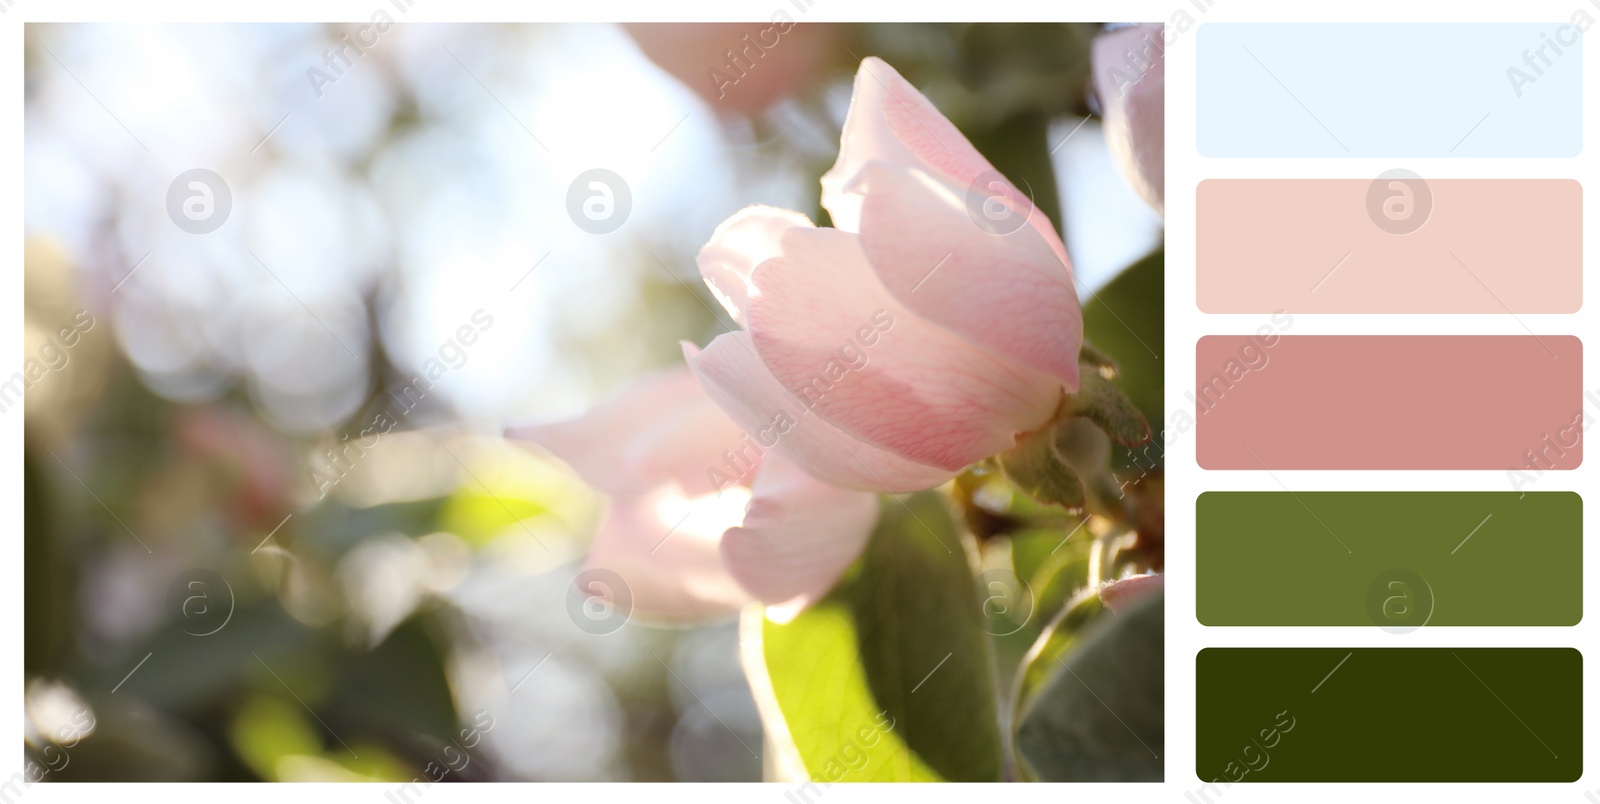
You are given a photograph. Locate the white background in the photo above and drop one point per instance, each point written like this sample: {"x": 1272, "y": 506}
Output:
{"x": 1185, "y": 324}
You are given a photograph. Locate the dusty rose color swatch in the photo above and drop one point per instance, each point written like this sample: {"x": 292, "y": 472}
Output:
{"x": 1389, "y": 402}
{"x": 1331, "y": 246}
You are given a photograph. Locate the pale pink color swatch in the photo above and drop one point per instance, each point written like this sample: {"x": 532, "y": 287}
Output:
{"x": 1314, "y": 246}
{"x": 1389, "y": 402}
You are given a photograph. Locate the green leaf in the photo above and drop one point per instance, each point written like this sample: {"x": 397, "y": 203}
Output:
{"x": 1102, "y": 402}
{"x": 1034, "y": 467}
{"x": 890, "y": 677}
{"x": 1124, "y": 319}
{"x": 1101, "y": 717}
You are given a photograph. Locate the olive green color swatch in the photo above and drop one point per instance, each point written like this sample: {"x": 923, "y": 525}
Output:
{"x": 1387, "y": 715}
{"x": 1399, "y": 560}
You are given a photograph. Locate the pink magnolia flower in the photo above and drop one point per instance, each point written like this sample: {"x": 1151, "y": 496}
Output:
{"x": 690, "y": 544}
{"x": 1130, "y": 75}
{"x": 912, "y": 340}
{"x": 887, "y": 354}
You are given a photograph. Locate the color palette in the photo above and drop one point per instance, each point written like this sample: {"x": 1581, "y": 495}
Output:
{"x": 1389, "y": 402}
{"x": 1392, "y": 90}
{"x": 1492, "y": 424}
{"x": 1390, "y": 245}
{"x": 1400, "y": 560}
{"x": 1388, "y": 715}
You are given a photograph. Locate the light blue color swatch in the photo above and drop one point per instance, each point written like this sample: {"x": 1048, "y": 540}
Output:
{"x": 1390, "y": 90}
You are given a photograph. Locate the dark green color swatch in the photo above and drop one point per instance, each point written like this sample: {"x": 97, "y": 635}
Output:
{"x": 1399, "y": 560}
{"x": 1387, "y": 715}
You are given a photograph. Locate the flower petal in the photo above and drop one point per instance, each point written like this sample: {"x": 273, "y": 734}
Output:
{"x": 1120, "y": 595}
{"x": 664, "y": 547}
{"x": 734, "y": 376}
{"x": 739, "y": 244}
{"x": 889, "y": 120}
{"x": 799, "y": 535}
{"x": 1130, "y": 76}
{"x": 832, "y": 335}
{"x": 662, "y": 429}
{"x": 1006, "y": 292}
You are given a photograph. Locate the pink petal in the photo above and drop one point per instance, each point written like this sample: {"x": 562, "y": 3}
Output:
{"x": 889, "y": 120}
{"x": 1119, "y": 596}
{"x": 832, "y": 335}
{"x": 1006, "y": 292}
{"x": 738, "y": 245}
{"x": 699, "y": 55}
{"x": 1130, "y": 77}
{"x": 662, "y": 429}
{"x": 734, "y": 376}
{"x": 799, "y": 535}
{"x": 669, "y": 562}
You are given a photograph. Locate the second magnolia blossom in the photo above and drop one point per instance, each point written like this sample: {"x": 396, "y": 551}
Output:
{"x": 1130, "y": 76}
{"x": 687, "y": 548}
{"x": 976, "y": 331}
